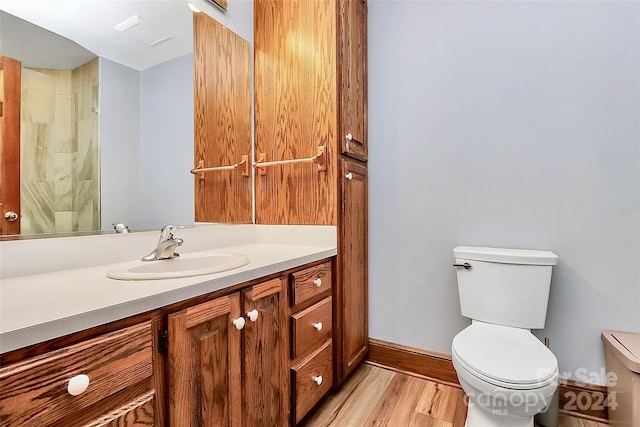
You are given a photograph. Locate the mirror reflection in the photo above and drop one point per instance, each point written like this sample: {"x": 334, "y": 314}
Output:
{"x": 135, "y": 168}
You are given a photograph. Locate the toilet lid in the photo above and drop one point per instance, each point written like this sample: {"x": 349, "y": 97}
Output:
{"x": 505, "y": 354}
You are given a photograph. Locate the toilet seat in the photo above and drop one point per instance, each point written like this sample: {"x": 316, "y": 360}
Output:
{"x": 504, "y": 356}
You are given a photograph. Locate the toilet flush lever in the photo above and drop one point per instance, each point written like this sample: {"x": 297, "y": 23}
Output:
{"x": 466, "y": 265}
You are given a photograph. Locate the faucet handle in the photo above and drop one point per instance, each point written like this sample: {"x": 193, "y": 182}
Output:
{"x": 165, "y": 233}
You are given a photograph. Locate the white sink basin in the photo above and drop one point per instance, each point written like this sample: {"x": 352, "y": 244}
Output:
{"x": 184, "y": 266}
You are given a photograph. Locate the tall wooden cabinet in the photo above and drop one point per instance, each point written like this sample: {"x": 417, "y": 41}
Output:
{"x": 311, "y": 91}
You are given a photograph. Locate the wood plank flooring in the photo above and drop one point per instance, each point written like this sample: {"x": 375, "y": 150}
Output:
{"x": 374, "y": 396}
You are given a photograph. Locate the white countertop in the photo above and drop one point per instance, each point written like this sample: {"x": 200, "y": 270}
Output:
{"x": 35, "y": 308}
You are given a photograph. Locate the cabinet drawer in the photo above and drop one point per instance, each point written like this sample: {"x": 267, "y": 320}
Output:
{"x": 34, "y": 392}
{"x": 310, "y": 282}
{"x": 310, "y": 327}
{"x": 305, "y": 376}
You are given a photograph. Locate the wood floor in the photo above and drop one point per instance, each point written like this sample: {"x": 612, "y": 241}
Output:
{"x": 374, "y": 396}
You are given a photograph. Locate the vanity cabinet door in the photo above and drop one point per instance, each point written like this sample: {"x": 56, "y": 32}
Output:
{"x": 352, "y": 77}
{"x": 265, "y": 377}
{"x": 205, "y": 364}
{"x": 351, "y": 293}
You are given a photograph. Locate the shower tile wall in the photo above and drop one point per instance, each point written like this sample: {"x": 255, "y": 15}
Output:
{"x": 60, "y": 188}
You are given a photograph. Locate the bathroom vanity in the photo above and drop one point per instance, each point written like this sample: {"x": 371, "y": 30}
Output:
{"x": 249, "y": 346}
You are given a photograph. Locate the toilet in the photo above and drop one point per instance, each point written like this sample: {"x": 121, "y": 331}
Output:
{"x": 507, "y": 374}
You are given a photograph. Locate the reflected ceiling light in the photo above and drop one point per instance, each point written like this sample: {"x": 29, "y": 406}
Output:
{"x": 192, "y": 7}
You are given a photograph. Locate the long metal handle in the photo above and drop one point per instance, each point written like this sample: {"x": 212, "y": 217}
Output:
{"x": 466, "y": 265}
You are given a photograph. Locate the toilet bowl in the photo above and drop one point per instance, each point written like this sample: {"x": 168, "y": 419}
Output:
{"x": 507, "y": 373}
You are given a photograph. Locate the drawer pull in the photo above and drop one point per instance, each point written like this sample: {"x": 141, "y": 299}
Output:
{"x": 318, "y": 326}
{"x": 239, "y": 322}
{"x": 349, "y": 176}
{"x": 253, "y": 315}
{"x": 78, "y": 384}
{"x": 318, "y": 379}
{"x": 318, "y": 282}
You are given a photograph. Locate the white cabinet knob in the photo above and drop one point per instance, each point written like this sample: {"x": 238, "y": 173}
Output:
{"x": 318, "y": 379}
{"x": 318, "y": 326}
{"x": 78, "y": 384}
{"x": 348, "y": 137}
{"x": 349, "y": 176}
{"x": 239, "y": 322}
{"x": 253, "y": 315}
{"x": 318, "y": 282}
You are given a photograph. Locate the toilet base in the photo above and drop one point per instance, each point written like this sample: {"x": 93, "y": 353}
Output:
{"x": 477, "y": 417}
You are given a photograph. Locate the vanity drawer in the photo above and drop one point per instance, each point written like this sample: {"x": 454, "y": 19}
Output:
{"x": 312, "y": 281}
{"x": 34, "y": 392}
{"x": 311, "y": 379}
{"x": 310, "y": 327}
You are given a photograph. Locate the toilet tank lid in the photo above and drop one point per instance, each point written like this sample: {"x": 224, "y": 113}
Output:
{"x": 506, "y": 256}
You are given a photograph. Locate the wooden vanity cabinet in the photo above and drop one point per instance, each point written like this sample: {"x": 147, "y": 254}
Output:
{"x": 311, "y": 317}
{"x": 119, "y": 367}
{"x": 226, "y": 369}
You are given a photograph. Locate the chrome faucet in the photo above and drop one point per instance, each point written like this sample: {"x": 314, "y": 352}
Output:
{"x": 167, "y": 245}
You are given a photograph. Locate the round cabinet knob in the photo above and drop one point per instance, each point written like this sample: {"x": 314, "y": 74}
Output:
{"x": 11, "y": 216}
{"x": 239, "y": 322}
{"x": 253, "y": 315}
{"x": 318, "y": 379}
{"x": 78, "y": 384}
{"x": 349, "y": 176}
{"x": 318, "y": 326}
{"x": 318, "y": 282}
{"x": 348, "y": 137}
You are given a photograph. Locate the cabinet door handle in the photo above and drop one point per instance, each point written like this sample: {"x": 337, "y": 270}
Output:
{"x": 318, "y": 326}
{"x": 318, "y": 282}
{"x": 318, "y": 379}
{"x": 78, "y": 384}
{"x": 253, "y": 315}
{"x": 239, "y": 322}
{"x": 349, "y": 176}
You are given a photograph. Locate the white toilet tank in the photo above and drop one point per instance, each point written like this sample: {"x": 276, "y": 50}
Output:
{"x": 507, "y": 287}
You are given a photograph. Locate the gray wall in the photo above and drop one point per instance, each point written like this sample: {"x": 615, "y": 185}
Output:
{"x": 508, "y": 124}
{"x": 166, "y": 143}
{"x": 119, "y": 146}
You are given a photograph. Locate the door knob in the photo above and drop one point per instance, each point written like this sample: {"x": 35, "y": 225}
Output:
{"x": 253, "y": 315}
{"x": 11, "y": 216}
{"x": 239, "y": 322}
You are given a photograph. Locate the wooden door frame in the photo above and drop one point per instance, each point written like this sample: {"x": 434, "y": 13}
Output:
{"x": 10, "y": 93}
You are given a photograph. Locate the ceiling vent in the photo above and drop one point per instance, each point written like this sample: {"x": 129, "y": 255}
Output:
{"x": 140, "y": 29}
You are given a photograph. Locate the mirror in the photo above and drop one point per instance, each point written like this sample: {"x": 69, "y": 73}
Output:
{"x": 145, "y": 104}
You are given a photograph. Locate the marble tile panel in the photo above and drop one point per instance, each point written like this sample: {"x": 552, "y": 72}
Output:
{"x": 88, "y": 149}
{"x": 66, "y": 221}
{"x": 37, "y": 157}
{"x": 38, "y": 95}
{"x": 83, "y": 204}
{"x": 65, "y": 174}
{"x": 63, "y": 82}
{"x": 37, "y": 205}
{"x": 64, "y": 124}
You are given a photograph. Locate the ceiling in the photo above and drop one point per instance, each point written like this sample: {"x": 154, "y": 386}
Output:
{"x": 90, "y": 24}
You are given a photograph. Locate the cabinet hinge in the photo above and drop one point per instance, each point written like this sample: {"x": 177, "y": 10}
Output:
{"x": 163, "y": 341}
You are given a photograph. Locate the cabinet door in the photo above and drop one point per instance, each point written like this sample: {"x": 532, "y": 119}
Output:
{"x": 222, "y": 121}
{"x": 204, "y": 365}
{"x": 265, "y": 369}
{"x": 295, "y": 110}
{"x": 352, "y": 77}
{"x": 351, "y": 302}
